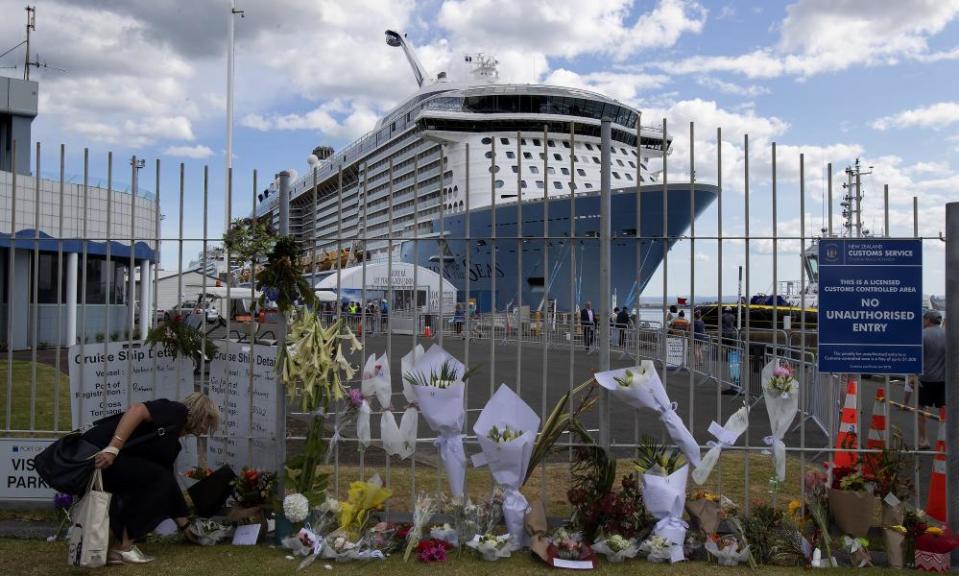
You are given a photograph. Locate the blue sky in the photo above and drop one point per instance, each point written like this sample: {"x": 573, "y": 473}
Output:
{"x": 835, "y": 80}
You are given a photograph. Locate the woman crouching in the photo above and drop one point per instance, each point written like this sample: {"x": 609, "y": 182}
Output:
{"x": 143, "y": 479}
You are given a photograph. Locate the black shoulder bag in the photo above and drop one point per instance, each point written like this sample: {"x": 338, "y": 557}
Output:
{"x": 66, "y": 465}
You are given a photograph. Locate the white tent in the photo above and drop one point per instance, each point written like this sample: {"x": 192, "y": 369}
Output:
{"x": 381, "y": 277}
{"x": 236, "y": 292}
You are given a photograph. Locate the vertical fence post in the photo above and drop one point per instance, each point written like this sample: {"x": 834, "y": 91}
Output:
{"x": 604, "y": 280}
{"x": 952, "y": 366}
{"x": 284, "y": 201}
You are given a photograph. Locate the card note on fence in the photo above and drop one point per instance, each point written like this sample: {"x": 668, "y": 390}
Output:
{"x": 246, "y": 535}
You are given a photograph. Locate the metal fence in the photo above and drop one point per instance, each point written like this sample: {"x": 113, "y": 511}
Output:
{"x": 86, "y": 249}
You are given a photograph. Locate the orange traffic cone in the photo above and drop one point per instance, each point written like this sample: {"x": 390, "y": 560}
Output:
{"x": 427, "y": 332}
{"x": 848, "y": 429}
{"x": 359, "y": 329}
{"x": 877, "y": 431}
{"x": 936, "y": 500}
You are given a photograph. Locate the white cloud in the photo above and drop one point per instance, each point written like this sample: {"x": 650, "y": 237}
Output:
{"x": 935, "y": 116}
{"x": 568, "y": 28}
{"x": 623, "y": 86}
{"x": 750, "y": 91}
{"x": 198, "y": 152}
{"x": 820, "y": 36}
{"x": 335, "y": 119}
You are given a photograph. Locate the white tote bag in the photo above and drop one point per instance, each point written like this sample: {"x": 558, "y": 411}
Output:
{"x": 89, "y": 535}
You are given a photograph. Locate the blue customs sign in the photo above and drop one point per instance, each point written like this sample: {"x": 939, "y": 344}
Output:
{"x": 870, "y": 306}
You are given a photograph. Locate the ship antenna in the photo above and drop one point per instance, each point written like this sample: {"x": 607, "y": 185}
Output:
{"x": 31, "y": 25}
{"x": 397, "y": 41}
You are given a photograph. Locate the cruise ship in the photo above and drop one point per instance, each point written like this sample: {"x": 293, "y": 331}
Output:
{"x": 459, "y": 173}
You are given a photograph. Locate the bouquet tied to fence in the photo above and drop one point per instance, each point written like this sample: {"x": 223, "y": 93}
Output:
{"x": 664, "y": 476}
{"x": 641, "y": 387}
{"x": 781, "y": 392}
{"x": 506, "y": 432}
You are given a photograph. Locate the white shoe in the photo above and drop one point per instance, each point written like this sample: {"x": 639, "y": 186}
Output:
{"x": 131, "y": 556}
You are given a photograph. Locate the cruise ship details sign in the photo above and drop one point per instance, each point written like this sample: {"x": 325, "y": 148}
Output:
{"x": 870, "y": 306}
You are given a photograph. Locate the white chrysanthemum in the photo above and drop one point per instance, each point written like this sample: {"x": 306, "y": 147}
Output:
{"x": 296, "y": 507}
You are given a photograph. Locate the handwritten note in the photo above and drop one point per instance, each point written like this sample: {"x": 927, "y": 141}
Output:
{"x": 246, "y": 535}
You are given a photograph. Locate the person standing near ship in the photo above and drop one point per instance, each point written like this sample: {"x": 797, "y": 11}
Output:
{"x": 622, "y": 323}
{"x": 932, "y": 381}
{"x": 588, "y": 320}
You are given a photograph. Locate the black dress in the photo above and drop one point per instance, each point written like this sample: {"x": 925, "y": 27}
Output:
{"x": 142, "y": 478}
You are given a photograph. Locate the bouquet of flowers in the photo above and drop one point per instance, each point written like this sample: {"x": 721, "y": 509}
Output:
{"x": 438, "y": 380}
{"x": 399, "y": 440}
{"x": 781, "y": 391}
{"x": 506, "y": 431}
{"x": 491, "y": 547}
{"x": 616, "y": 548}
{"x": 304, "y": 543}
{"x": 63, "y": 503}
{"x": 296, "y": 508}
{"x": 208, "y": 532}
{"x": 640, "y": 387}
{"x": 851, "y": 502}
{"x": 707, "y": 510}
{"x": 432, "y": 550}
{"x": 664, "y": 476}
{"x": 726, "y": 550}
{"x": 934, "y": 548}
{"x": 658, "y": 549}
{"x": 858, "y": 550}
{"x": 198, "y": 473}
{"x": 426, "y": 506}
{"x": 376, "y": 380}
{"x": 446, "y": 533}
{"x": 253, "y": 487}
{"x": 363, "y": 498}
{"x": 383, "y": 537}
{"x": 326, "y": 517}
{"x": 726, "y": 436}
{"x": 569, "y": 546}
{"x": 406, "y": 367}
{"x": 471, "y": 519}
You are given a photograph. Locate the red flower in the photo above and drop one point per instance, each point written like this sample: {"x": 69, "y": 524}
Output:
{"x": 432, "y": 550}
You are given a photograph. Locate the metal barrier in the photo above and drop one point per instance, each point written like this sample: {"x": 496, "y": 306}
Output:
{"x": 107, "y": 245}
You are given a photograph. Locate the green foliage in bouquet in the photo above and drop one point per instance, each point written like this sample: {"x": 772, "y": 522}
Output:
{"x": 178, "y": 339}
{"x": 445, "y": 378}
{"x": 652, "y": 456}
{"x": 561, "y": 420}
{"x": 772, "y": 537}
{"x": 282, "y": 279}
{"x": 303, "y": 473}
{"x": 249, "y": 238}
{"x": 891, "y": 468}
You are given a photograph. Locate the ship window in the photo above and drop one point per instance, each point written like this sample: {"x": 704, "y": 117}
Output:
{"x": 572, "y": 185}
{"x": 616, "y": 176}
{"x": 542, "y": 156}
{"x": 628, "y": 175}
{"x": 536, "y": 142}
{"x": 504, "y": 141}
{"x": 623, "y": 150}
{"x": 510, "y": 154}
{"x": 557, "y": 184}
{"x": 539, "y": 184}
{"x": 499, "y": 183}
{"x": 528, "y": 155}
{"x": 522, "y": 183}
{"x": 581, "y": 172}
{"x": 558, "y": 157}
{"x": 633, "y": 152}
{"x": 551, "y": 143}
{"x": 620, "y": 162}
{"x": 588, "y": 185}
{"x": 589, "y": 146}
{"x": 632, "y": 164}
{"x": 522, "y": 141}
{"x": 596, "y": 159}
{"x": 550, "y": 170}
{"x": 494, "y": 169}
{"x": 533, "y": 169}
{"x": 487, "y": 140}
{"x": 565, "y": 144}
{"x": 489, "y": 154}
{"x": 515, "y": 169}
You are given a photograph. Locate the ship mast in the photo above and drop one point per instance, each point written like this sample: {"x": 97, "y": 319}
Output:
{"x": 31, "y": 25}
{"x": 852, "y": 201}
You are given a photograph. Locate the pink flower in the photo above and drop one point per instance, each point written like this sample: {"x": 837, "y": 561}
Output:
{"x": 356, "y": 397}
{"x": 781, "y": 371}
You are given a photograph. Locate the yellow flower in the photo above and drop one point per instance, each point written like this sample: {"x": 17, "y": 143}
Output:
{"x": 935, "y": 531}
{"x": 898, "y": 528}
{"x": 363, "y": 498}
{"x": 795, "y": 506}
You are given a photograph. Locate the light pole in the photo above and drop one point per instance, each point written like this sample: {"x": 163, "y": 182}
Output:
{"x": 229, "y": 112}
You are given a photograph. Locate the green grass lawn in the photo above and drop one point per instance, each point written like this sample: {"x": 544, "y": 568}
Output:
{"x": 42, "y": 397}
{"x": 32, "y": 558}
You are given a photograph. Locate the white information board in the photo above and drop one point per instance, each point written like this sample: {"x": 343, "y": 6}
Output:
{"x": 675, "y": 351}
{"x": 18, "y": 479}
{"x": 245, "y": 412}
{"x": 105, "y": 379}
